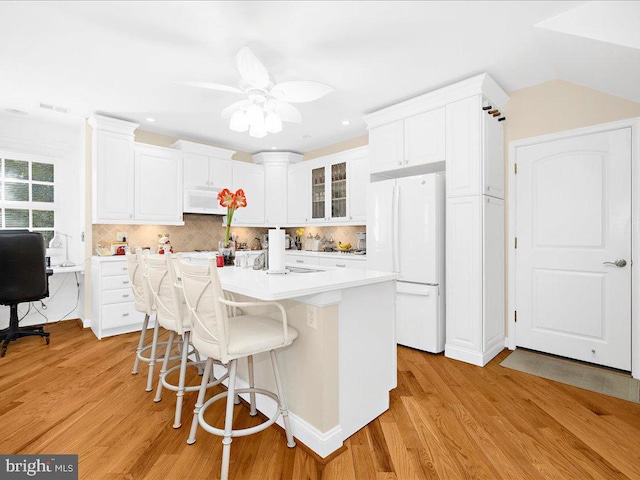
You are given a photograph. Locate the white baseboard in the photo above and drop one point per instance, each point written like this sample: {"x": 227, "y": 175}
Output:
{"x": 322, "y": 443}
{"x": 473, "y": 357}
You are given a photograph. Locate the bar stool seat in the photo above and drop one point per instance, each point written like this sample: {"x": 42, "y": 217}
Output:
{"x": 226, "y": 337}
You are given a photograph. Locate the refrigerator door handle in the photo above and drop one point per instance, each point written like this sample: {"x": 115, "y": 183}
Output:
{"x": 395, "y": 242}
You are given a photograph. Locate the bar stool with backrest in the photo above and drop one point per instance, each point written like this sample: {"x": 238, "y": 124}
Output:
{"x": 143, "y": 301}
{"x": 226, "y": 339}
{"x": 172, "y": 315}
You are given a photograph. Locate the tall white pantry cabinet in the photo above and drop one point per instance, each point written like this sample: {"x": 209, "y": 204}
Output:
{"x": 453, "y": 129}
{"x": 475, "y": 325}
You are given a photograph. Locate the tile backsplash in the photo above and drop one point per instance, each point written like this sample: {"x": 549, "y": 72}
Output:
{"x": 202, "y": 232}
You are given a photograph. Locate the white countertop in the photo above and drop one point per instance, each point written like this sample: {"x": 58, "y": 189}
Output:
{"x": 264, "y": 286}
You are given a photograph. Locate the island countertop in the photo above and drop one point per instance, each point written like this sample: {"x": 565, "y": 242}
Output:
{"x": 269, "y": 287}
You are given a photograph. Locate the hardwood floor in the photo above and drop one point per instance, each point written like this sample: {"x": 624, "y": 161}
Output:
{"x": 447, "y": 420}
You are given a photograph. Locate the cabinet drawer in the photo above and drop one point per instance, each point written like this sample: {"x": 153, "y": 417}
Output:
{"x": 119, "y": 315}
{"x": 301, "y": 260}
{"x": 117, "y": 296}
{"x": 116, "y": 282}
{"x": 343, "y": 263}
{"x": 114, "y": 268}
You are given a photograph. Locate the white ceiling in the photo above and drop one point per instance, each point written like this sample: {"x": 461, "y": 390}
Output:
{"x": 125, "y": 59}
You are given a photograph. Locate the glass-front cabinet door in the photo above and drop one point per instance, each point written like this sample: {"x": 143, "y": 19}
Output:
{"x": 329, "y": 192}
{"x": 339, "y": 190}
{"x": 318, "y": 193}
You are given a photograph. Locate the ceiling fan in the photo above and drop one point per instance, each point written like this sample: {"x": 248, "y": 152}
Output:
{"x": 268, "y": 104}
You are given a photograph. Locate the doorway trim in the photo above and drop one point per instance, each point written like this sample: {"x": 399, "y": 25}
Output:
{"x": 511, "y": 196}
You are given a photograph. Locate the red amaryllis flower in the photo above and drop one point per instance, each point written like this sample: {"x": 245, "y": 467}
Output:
{"x": 226, "y": 198}
{"x": 241, "y": 199}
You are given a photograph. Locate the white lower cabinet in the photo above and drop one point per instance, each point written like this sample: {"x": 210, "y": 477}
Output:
{"x": 475, "y": 278}
{"x": 342, "y": 262}
{"x": 113, "y": 309}
{"x": 324, "y": 260}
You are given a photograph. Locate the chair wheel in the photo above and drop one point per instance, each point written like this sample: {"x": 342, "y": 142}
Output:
{"x": 47, "y": 339}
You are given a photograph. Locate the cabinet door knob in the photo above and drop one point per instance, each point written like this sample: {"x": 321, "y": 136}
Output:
{"x": 399, "y": 162}
{"x": 406, "y": 161}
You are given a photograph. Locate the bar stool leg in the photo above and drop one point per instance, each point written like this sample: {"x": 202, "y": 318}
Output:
{"x": 183, "y": 372}
{"x": 228, "y": 422}
{"x": 165, "y": 365}
{"x": 208, "y": 369}
{"x": 145, "y": 324}
{"x": 252, "y": 395}
{"x": 284, "y": 410}
{"x": 152, "y": 362}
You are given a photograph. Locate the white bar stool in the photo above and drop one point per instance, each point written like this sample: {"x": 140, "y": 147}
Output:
{"x": 226, "y": 339}
{"x": 172, "y": 315}
{"x": 143, "y": 301}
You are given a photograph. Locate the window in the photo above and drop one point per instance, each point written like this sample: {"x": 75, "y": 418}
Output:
{"x": 27, "y": 196}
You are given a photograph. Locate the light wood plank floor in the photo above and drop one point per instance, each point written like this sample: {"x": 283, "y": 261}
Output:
{"x": 447, "y": 420}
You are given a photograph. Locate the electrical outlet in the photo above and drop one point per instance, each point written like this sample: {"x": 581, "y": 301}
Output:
{"x": 312, "y": 316}
{"x": 120, "y": 236}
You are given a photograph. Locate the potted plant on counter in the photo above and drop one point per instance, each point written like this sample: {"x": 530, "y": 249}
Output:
{"x": 231, "y": 201}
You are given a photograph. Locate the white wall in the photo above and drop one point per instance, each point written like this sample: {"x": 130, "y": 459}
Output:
{"x": 60, "y": 139}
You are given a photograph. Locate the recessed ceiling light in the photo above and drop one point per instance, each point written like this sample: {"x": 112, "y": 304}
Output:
{"x": 274, "y": 148}
{"x": 151, "y": 120}
{"x": 346, "y": 122}
{"x": 306, "y": 136}
{"x": 14, "y": 111}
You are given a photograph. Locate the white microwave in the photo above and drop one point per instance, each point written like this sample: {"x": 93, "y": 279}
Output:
{"x": 203, "y": 200}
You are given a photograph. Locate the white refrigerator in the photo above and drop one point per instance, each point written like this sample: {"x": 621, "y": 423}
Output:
{"x": 406, "y": 234}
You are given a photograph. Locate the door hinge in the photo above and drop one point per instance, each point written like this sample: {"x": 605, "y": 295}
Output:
{"x": 515, "y": 168}
{"x": 515, "y": 242}
{"x": 515, "y": 316}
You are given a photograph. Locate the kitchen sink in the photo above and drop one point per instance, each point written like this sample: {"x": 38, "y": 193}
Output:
{"x": 303, "y": 270}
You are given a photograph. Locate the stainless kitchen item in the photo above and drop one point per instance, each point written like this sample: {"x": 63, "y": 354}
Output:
{"x": 362, "y": 241}
{"x": 288, "y": 242}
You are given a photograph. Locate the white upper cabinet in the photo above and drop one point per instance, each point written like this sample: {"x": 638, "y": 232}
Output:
{"x": 207, "y": 170}
{"x": 414, "y": 141}
{"x": 112, "y": 170}
{"x": 275, "y": 194}
{"x": 201, "y": 171}
{"x": 357, "y": 182}
{"x": 387, "y": 147}
{"x": 298, "y": 208}
{"x": 196, "y": 170}
{"x": 133, "y": 183}
{"x": 250, "y": 178}
{"x": 158, "y": 185}
{"x": 474, "y": 150}
{"x": 424, "y": 138}
{"x": 276, "y": 184}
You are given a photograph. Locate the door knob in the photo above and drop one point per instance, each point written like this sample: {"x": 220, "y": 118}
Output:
{"x": 618, "y": 263}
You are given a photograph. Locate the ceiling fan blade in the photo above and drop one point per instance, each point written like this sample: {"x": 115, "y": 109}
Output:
{"x": 213, "y": 86}
{"x": 287, "y": 112}
{"x": 300, "y": 91}
{"x": 227, "y": 112}
{"x": 252, "y": 69}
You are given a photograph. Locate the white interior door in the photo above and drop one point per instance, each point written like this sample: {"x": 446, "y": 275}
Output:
{"x": 573, "y": 217}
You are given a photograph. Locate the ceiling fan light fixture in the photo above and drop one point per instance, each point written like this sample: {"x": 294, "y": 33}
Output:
{"x": 255, "y": 114}
{"x": 239, "y": 122}
{"x": 258, "y": 130}
{"x": 273, "y": 123}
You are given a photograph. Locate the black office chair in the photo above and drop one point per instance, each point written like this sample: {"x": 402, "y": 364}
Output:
{"x": 24, "y": 277}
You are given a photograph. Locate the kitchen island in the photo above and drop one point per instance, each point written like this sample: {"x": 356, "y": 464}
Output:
{"x": 338, "y": 373}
